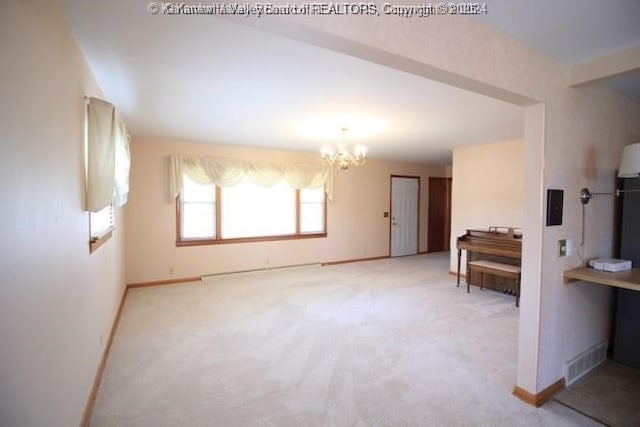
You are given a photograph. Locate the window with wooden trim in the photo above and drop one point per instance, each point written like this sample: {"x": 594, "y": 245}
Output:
{"x": 101, "y": 222}
{"x": 209, "y": 214}
{"x": 107, "y": 163}
{"x": 101, "y": 226}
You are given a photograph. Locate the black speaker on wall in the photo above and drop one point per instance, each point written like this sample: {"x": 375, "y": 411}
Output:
{"x": 554, "y": 206}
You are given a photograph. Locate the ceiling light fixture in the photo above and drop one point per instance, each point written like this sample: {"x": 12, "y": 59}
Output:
{"x": 341, "y": 157}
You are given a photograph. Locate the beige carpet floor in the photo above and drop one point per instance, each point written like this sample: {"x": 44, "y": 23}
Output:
{"x": 380, "y": 343}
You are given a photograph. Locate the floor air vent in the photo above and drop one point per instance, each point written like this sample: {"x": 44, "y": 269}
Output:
{"x": 583, "y": 363}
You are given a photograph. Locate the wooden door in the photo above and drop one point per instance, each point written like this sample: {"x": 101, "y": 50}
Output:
{"x": 439, "y": 228}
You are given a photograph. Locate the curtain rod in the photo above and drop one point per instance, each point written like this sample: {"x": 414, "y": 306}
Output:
{"x": 89, "y": 99}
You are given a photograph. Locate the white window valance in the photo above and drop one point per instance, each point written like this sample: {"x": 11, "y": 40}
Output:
{"x": 108, "y": 158}
{"x": 228, "y": 172}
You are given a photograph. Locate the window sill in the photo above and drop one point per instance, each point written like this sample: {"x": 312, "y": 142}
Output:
{"x": 95, "y": 244}
{"x": 204, "y": 242}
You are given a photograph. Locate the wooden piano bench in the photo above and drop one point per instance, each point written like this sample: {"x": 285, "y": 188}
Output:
{"x": 498, "y": 269}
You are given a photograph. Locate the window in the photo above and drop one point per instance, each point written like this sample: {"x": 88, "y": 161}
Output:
{"x": 312, "y": 211}
{"x": 107, "y": 164}
{"x": 248, "y": 212}
{"x": 198, "y": 219}
{"x": 101, "y": 224}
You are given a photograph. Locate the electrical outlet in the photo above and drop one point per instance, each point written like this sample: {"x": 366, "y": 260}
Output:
{"x": 562, "y": 248}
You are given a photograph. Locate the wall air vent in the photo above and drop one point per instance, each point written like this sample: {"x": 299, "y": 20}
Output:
{"x": 584, "y": 363}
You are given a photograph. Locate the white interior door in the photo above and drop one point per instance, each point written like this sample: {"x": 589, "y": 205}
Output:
{"x": 404, "y": 216}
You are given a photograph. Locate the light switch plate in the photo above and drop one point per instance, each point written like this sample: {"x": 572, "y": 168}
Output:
{"x": 570, "y": 247}
{"x": 562, "y": 248}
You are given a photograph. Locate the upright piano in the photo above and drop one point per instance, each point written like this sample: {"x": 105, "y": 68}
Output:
{"x": 498, "y": 244}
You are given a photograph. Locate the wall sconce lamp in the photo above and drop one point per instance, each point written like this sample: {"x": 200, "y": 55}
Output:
{"x": 629, "y": 168}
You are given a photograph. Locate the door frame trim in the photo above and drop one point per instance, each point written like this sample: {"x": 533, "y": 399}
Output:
{"x": 417, "y": 177}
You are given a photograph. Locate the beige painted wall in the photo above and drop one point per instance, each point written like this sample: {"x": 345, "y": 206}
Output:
{"x": 488, "y": 189}
{"x": 356, "y": 226}
{"x": 57, "y": 302}
{"x": 573, "y": 138}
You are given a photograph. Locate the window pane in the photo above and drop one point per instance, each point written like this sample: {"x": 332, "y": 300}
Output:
{"x": 312, "y": 195}
{"x": 198, "y": 212}
{"x": 312, "y": 218}
{"x": 312, "y": 210}
{"x": 196, "y": 192}
{"x": 198, "y": 220}
{"x": 101, "y": 222}
{"x": 249, "y": 210}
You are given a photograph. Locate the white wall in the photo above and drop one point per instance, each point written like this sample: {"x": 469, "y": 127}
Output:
{"x": 56, "y": 300}
{"x": 488, "y": 189}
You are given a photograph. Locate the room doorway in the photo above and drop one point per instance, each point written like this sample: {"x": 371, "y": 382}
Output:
{"x": 439, "y": 224}
{"x": 405, "y": 197}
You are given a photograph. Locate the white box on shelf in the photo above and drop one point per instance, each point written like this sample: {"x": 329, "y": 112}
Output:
{"x": 610, "y": 264}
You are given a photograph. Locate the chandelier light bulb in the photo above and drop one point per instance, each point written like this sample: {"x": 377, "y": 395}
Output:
{"x": 341, "y": 157}
{"x": 327, "y": 151}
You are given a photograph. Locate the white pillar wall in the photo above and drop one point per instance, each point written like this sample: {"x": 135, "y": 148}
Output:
{"x": 529, "y": 321}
